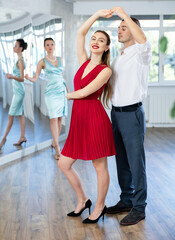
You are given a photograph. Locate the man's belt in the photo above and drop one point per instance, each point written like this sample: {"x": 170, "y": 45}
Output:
{"x": 129, "y": 108}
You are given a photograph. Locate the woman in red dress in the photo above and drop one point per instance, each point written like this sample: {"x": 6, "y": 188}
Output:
{"x": 90, "y": 135}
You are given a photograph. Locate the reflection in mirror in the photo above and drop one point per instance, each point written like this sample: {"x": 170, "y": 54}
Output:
{"x": 16, "y": 95}
{"x": 50, "y": 89}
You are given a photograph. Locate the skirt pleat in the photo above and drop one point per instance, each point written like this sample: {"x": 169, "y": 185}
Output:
{"x": 90, "y": 136}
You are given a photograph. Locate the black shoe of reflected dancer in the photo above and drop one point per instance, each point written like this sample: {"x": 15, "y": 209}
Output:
{"x": 87, "y": 220}
{"x": 118, "y": 208}
{"x": 87, "y": 205}
{"x": 19, "y": 143}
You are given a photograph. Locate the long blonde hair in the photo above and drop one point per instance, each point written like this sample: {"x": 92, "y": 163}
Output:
{"x": 107, "y": 91}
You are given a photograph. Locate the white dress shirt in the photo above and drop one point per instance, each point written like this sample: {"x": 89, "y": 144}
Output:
{"x": 130, "y": 72}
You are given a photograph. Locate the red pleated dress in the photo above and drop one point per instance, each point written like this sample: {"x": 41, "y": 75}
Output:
{"x": 90, "y": 135}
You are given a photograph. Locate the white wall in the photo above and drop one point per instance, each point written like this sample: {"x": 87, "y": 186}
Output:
{"x": 158, "y": 106}
{"x": 131, "y": 7}
{"x": 53, "y": 7}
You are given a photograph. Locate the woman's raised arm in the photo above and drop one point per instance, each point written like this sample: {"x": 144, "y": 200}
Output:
{"x": 83, "y": 30}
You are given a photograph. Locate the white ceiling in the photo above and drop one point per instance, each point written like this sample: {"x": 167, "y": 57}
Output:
{"x": 10, "y": 15}
{"x": 73, "y": 1}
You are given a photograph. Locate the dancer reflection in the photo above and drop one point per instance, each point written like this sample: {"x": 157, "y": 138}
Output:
{"x": 16, "y": 107}
{"x": 90, "y": 135}
{"x": 55, "y": 91}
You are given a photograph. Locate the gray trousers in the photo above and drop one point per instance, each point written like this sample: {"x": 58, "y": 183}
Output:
{"x": 129, "y": 130}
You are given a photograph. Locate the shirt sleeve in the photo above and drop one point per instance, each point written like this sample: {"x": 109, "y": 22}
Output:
{"x": 144, "y": 52}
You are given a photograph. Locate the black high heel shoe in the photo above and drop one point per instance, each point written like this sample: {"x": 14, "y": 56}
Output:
{"x": 19, "y": 143}
{"x": 58, "y": 152}
{"x": 87, "y": 205}
{"x": 87, "y": 220}
{"x": 52, "y": 147}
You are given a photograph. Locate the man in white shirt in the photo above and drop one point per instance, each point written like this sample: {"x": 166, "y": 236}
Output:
{"x": 129, "y": 83}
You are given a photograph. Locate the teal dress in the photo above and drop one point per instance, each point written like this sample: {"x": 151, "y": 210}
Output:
{"x": 16, "y": 107}
{"x": 55, "y": 92}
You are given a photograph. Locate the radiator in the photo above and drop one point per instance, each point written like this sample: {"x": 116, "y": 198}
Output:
{"x": 157, "y": 108}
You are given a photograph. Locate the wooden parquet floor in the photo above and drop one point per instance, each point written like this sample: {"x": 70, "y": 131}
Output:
{"x": 35, "y": 197}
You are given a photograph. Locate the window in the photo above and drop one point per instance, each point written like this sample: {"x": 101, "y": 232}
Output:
{"x": 169, "y": 57}
{"x": 153, "y": 36}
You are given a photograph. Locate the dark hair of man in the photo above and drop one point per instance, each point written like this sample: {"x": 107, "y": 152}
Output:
{"x": 135, "y": 20}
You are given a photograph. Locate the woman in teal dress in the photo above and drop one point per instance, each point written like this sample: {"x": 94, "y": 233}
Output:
{"x": 55, "y": 91}
{"x": 16, "y": 107}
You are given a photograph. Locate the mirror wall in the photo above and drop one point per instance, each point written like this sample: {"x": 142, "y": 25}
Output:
{"x": 45, "y": 26}
{"x": 15, "y": 25}
{"x": 33, "y": 31}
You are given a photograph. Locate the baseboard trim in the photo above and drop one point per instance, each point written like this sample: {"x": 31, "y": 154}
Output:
{"x": 28, "y": 150}
{"x": 160, "y": 125}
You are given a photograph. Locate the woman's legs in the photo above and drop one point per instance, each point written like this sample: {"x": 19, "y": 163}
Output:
{"x": 55, "y": 126}
{"x": 59, "y": 125}
{"x": 101, "y": 168}
{"x": 54, "y": 131}
{"x": 65, "y": 164}
{"x": 22, "y": 126}
{"x": 9, "y": 125}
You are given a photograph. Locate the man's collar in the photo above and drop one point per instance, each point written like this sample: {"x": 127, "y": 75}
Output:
{"x": 126, "y": 49}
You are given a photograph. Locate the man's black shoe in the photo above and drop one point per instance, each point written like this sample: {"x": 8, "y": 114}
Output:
{"x": 133, "y": 217}
{"x": 118, "y": 208}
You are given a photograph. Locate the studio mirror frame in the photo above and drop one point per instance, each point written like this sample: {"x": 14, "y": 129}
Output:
{"x": 34, "y": 29}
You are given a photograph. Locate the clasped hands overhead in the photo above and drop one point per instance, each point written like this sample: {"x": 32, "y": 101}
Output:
{"x": 107, "y": 13}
